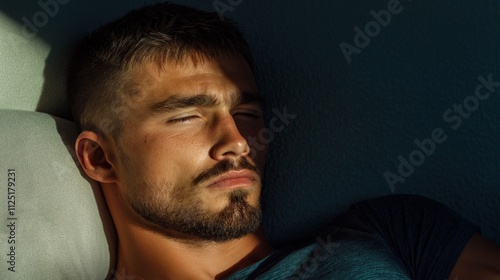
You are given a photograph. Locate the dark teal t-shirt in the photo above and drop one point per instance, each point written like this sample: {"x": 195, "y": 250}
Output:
{"x": 392, "y": 237}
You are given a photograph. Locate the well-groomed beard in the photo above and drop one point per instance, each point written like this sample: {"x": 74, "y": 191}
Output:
{"x": 181, "y": 213}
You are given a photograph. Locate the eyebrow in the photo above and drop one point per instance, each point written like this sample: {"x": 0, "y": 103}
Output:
{"x": 203, "y": 100}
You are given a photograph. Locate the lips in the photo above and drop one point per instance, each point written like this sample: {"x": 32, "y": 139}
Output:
{"x": 233, "y": 179}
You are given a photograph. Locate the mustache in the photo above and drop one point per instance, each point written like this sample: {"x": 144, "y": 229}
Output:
{"x": 225, "y": 166}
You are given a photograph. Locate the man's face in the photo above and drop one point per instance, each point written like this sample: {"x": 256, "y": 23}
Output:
{"x": 184, "y": 164}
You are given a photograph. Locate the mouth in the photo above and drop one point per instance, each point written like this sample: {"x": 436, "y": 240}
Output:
{"x": 233, "y": 179}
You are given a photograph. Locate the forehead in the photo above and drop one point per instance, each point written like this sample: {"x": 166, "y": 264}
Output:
{"x": 192, "y": 75}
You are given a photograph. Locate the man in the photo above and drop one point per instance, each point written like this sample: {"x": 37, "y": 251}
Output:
{"x": 165, "y": 99}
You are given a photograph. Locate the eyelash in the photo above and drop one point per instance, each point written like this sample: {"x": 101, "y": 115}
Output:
{"x": 188, "y": 118}
{"x": 183, "y": 119}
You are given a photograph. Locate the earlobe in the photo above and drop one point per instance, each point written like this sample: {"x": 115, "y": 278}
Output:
{"x": 94, "y": 154}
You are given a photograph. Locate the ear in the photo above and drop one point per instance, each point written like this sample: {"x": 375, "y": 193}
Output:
{"x": 96, "y": 156}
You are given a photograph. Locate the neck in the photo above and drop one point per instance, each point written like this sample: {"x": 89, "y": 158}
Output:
{"x": 147, "y": 254}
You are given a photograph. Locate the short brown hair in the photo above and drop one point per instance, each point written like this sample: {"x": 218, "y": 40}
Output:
{"x": 164, "y": 31}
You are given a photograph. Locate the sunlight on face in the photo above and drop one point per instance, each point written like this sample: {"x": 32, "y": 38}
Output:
{"x": 185, "y": 164}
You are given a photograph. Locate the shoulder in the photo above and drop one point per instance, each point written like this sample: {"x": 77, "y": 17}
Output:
{"x": 404, "y": 206}
{"x": 425, "y": 235}
{"x": 399, "y": 201}
{"x": 403, "y": 210}
{"x": 402, "y": 217}
{"x": 480, "y": 259}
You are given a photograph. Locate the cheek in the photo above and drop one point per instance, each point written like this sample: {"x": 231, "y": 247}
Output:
{"x": 173, "y": 156}
{"x": 152, "y": 154}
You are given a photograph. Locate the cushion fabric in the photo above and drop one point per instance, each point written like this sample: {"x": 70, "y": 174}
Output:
{"x": 58, "y": 225}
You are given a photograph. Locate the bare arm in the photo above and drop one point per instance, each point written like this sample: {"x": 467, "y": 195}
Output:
{"x": 480, "y": 259}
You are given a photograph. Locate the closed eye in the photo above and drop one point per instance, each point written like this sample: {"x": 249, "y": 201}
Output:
{"x": 183, "y": 119}
{"x": 247, "y": 114}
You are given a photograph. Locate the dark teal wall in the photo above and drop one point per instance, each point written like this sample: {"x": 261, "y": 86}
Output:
{"x": 353, "y": 120}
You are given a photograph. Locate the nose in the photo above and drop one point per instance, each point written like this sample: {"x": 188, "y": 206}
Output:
{"x": 229, "y": 143}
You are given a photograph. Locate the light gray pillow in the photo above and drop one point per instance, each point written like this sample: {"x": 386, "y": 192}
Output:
{"x": 59, "y": 226}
